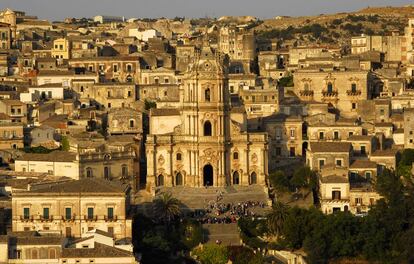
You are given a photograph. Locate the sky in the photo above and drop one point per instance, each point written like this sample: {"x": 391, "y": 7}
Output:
{"x": 60, "y": 9}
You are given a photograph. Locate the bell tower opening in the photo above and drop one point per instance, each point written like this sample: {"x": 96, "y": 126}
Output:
{"x": 208, "y": 175}
{"x": 207, "y": 128}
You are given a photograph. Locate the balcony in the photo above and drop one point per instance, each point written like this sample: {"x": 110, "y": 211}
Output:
{"x": 71, "y": 219}
{"x": 91, "y": 219}
{"x": 306, "y": 93}
{"x": 353, "y": 92}
{"x": 329, "y": 94}
{"x": 26, "y": 219}
{"x": 46, "y": 219}
{"x": 113, "y": 218}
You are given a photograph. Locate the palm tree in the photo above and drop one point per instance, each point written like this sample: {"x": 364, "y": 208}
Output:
{"x": 166, "y": 207}
{"x": 277, "y": 217}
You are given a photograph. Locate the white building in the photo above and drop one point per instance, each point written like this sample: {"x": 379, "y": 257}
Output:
{"x": 144, "y": 35}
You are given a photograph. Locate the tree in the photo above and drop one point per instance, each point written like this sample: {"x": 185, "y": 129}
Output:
{"x": 276, "y": 218}
{"x": 166, "y": 208}
{"x": 244, "y": 255}
{"x": 150, "y": 104}
{"x": 279, "y": 180}
{"x": 211, "y": 254}
{"x": 304, "y": 177}
{"x": 65, "y": 144}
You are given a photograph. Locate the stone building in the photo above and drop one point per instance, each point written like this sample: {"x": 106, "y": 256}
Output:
{"x": 120, "y": 68}
{"x": 73, "y": 208}
{"x": 322, "y": 154}
{"x": 5, "y": 36}
{"x": 124, "y": 121}
{"x": 61, "y": 49}
{"x": 343, "y": 89}
{"x": 11, "y": 134}
{"x": 114, "y": 95}
{"x": 203, "y": 142}
{"x": 409, "y": 128}
{"x": 237, "y": 43}
{"x": 16, "y": 110}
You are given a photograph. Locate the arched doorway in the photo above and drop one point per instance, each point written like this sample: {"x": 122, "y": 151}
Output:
{"x": 236, "y": 178}
{"x": 207, "y": 129}
{"x": 253, "y": 178}
{"x": 178, "y": 179}
{"x": 208, "y": 175}
{"x": 160, "y": 180}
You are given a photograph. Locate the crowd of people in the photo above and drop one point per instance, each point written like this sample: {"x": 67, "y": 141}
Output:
{"x": 226, "y": 213}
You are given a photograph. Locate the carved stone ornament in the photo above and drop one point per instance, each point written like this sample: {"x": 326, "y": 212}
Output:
{"x": 161, "y": 160}
{"x": 254, "y": 158}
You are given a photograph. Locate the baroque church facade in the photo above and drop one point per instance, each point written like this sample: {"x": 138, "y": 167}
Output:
{"x": 204, "y": 142}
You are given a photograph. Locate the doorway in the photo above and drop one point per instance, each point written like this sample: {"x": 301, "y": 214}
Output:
{"x": 208, "y": 175}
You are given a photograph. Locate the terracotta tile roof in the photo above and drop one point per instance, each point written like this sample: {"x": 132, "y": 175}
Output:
{"x": 164, "y": 112}
{"x": 55, "y": 156}
{"x": 86, "y": 185}
{"x": 330, "y": 147}
{"x": 99, "y": 251}
{"x": 334, "y": 179}
{"x": 384, "y": 153}
{"x": 363, "y": 164}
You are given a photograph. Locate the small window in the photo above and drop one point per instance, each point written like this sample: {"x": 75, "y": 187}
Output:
{"x": 179, "y": 157}
{"x": 235, "y": 155}
{"x": 338, "y": 162}
{"x": 46, "y": 213}
{"x": 26, "y": 213}
{"x": 336, "y": 134}
{"x": 353, "y": 87}
{"x": 90, "y": 212}
{"x": 68, "y": 213}
{"x": 354, "y": 105}
{"x": 207, "y": 95}
{"x": 110, "y": 213}
{"x": 321, "y": 163}
{"x": 321, "y": 135}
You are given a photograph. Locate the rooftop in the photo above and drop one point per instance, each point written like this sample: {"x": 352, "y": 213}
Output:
{"x": 334, "y": 147}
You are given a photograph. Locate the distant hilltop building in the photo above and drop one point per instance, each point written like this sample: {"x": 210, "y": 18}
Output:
{"x": 108, "y": 19}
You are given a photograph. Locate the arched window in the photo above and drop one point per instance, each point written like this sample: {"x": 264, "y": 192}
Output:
{"x": 329, "y": 87}
{"x": 207, "y": 95}
{"x": 89, "y": 172}
{"x": 179, "y": 156}
{"x": 124, "y": 171}
{"x": 207, "y": 129}
{"x": 235, "y": 155}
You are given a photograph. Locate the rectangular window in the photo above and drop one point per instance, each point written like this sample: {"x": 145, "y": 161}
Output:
{"x": 336, "y": 135}
{"x": 338, "y": 162}
{"x": 26, "y": 213}
{"x": 90, "y": 212}
{"x": 321, "y": 135}
{"x": 68, "y": 213}
{"x": 46, "y": 213}
{"x": 110, "y": 212}
{"x": 278, "y": 151}
{"x": 292, "y": 133}
{"x": 321, "y": 163}
{"x": 115, "y": 68}
{"x": 368, "y": 175}
{"x": 363, "y": 150}
{"x": 336, "y": 195}
{"x": 358, "y": 201}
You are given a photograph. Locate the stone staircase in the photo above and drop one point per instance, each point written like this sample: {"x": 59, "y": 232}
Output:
{"x": 228, "y": 234}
